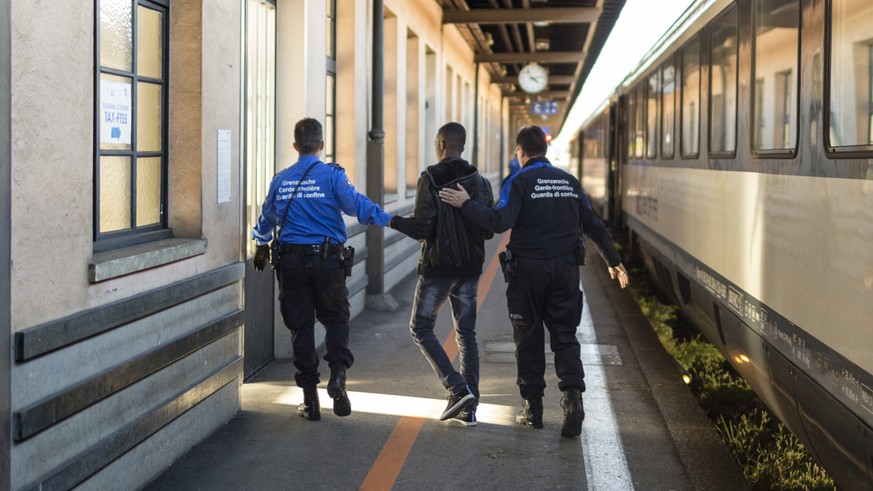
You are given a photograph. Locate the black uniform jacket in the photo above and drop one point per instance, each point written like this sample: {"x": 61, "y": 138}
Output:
{"x": 452, "y": 246}
{"x": 547, "y": 211}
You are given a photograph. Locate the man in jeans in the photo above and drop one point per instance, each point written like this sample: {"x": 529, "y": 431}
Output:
{"x": 548, "y": 213}
{"x": 452, "y": 254}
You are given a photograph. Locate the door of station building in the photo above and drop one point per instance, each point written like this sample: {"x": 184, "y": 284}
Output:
{"x": 259, "y": 167}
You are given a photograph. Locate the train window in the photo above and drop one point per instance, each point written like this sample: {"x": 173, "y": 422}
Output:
{"x": 640, "y": 122}
{"x": 668, "y": 95}
{"x": 723, "y": 84}
{"x": 654, "y": 92}
{"x": 631, "y": 119}
{"x": 776, "y": 47}
{"x": 851, "y": 74}
{"x": 690, "y": 122}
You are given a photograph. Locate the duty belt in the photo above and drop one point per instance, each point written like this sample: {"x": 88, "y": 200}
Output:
{"x": 310, "y": 249}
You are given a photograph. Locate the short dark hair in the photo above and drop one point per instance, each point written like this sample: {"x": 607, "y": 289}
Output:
{"x": 308, "y": 135}
{"x": 454, "y": 135}
{"x": 532, "y": 139}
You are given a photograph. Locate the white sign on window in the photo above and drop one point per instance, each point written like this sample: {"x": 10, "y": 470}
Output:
{"x": 115, "y": 112}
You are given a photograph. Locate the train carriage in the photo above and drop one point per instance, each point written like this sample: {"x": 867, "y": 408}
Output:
{"x": 743, "y": 150}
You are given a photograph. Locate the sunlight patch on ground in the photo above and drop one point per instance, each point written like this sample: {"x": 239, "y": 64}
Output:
{"x": 416, "y": 407}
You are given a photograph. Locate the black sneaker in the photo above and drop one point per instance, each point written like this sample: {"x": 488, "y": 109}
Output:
{"x": 531, "y": 413}
{"x": 466, "y": 417}
{"x": 457, "y": 403}
{"x": 573, "y": 413}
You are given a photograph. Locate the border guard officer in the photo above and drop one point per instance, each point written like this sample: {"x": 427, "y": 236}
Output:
{"x": 305, "y": 202}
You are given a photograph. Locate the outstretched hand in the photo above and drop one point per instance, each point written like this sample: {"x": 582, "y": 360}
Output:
{"x": 619, "y": 273}
{"x": 453, "y": 197}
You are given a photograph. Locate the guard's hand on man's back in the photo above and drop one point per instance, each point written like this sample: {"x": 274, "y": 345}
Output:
{"x": 262, "y": 255}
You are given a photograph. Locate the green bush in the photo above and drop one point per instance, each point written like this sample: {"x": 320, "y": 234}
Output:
{"x": 770, "y": 457}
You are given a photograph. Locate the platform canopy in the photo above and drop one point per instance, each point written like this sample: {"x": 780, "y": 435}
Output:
{"x": 564, "y": 36}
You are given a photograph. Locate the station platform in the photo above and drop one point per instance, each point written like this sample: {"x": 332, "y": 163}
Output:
{"x": 643, "y": 428}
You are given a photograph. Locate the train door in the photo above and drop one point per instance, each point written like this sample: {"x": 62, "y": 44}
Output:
{"x": 259, "y": 167}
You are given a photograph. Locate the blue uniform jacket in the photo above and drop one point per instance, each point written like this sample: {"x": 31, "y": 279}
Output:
{"x": 315, "y": 211}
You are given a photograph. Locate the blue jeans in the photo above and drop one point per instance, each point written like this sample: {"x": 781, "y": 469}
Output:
{"x": 430, "y": 295}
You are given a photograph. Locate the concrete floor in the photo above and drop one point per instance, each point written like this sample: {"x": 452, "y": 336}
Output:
{"x": 651, "y": 435}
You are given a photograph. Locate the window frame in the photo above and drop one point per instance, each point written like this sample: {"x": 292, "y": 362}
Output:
{"x": 842, "y": 151}
{"x": 698, "y": 39}
{"x": 669, "y": 62}
{"x": 630, "y": 116}
{"x": 773, "y": 153}
{"x": 641, "y": 122}
{"x": 722, "y": 153}
{"x": 330, "y": 96}
{"x": 263, "y": 174}
{"x": 870, "y": 94}
{"x": 653, "y": 141}
{"x": 132, "y": 235}
{"x": 783, "y": 104}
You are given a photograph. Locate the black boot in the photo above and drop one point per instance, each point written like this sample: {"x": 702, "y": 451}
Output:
{"x": 336, "y": 389}
{"x": 531, "y": 413}
{"x": 310, "y": 409}
{"x": 573, "y": 413}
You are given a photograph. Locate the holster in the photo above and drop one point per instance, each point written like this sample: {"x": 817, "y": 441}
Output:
{"x": 507, "y": 265}
{"x": 580, "y": 252}
{"x": 347, "y": 259}
{"x": 275, "y": 254}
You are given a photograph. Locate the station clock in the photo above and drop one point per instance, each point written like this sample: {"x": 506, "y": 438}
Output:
{"x": 533, "y": 78}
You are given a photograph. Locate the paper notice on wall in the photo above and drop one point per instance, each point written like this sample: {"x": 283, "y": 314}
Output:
{"x": 223, "y": 160}
{"x": 115, "y": 112}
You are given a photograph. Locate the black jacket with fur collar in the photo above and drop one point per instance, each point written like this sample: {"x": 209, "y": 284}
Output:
{"x": 452, "y": 245}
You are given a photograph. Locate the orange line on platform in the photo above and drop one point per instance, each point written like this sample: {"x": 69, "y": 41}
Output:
{"x": 383, "y": 474}
{"x": 387, "y": 466}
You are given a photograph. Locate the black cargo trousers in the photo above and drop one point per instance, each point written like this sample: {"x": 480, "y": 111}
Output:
{"x": 546, "y": 292}
{"x": 312, "y": 286}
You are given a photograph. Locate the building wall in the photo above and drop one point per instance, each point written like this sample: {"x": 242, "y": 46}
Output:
{"x": 125, "y": 359}
{"x": 5, "y": 230}
{"x": 105, "y": 365}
